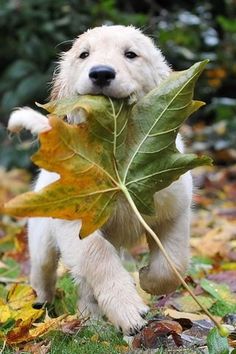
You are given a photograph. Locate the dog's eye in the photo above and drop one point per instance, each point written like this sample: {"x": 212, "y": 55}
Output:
{"x": 130, "y": 55}
{"x": 84, "y": 55}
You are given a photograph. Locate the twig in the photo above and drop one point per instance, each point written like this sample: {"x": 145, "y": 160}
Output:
{"x": 11, "y": 280}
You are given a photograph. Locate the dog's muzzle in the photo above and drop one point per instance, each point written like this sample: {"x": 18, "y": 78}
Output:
{"x": 102, "y": 75}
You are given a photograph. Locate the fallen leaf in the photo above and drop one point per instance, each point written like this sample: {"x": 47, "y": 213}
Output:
{"x": 47, "y": 325}
{"x": 197, "y": 334}
{"x": 227, "y": 277}
{"x": 17, "y": 313}
{"x": 42, "y": 347}
{"x": 12, "y": 183}
{"x": 191, "y": 316}
{"x": 219, "y": 291}
{"x": 20, "y": 295}
{"x": 150, "y": 335}
{"x": 5, "y": 313}
{"x": 216, "y": 241}
{"x": 72, "y": 326}
{"x": 20, "y": 332}
{"x": 187, "y": 304}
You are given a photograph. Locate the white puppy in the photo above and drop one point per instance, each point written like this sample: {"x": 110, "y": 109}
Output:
{"x": 115, "y": 61}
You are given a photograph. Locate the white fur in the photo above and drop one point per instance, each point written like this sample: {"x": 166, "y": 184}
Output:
{"x": 105, "y": 286}
{"x": 29, "y": 119}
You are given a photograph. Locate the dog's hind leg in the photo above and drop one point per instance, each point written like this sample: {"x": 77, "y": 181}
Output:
{"x": 44, "y": 259}
{"x": 173, "y": 229}
{"x": 157, "y": 277}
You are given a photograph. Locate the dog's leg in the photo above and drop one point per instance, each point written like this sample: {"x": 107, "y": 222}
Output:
{"x": 172, "y": 228}
{"x": 27, "y": 118}
{"x": 96, "y": 260}
{"x": 87, "y": 304}
{"x": 158, "y": 278}
{"x": 44, "y": 259}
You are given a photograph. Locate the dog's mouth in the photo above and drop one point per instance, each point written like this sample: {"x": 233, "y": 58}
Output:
{"x": 80, "y": 115}
{"x": 131, "y": 97}
{"x": 111, "y": 90}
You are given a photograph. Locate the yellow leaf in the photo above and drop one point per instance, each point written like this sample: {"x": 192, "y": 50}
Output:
{"x": 5, "y": 313}
{"x": 19, "y": 308}
{"x": 49, "y": 324}
{"x": 27, "y": 312}
{"x": 188, "y": 304}
{"x": 191, "y": 316}
{"x": 20, "y": 295}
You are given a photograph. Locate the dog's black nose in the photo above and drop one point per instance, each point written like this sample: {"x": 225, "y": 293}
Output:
{"x": 101, "y": 75}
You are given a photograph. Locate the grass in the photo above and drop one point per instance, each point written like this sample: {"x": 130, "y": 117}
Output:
{"x": 97, "y": 337}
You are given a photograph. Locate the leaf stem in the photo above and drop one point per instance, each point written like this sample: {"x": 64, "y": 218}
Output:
{"x": 3, "y": 347}
{"x": 167, "y": 257}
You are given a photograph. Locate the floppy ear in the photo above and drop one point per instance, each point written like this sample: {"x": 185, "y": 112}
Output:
{"x": 161, "y": 69}
{"x": 54, "y": 94}
{"x": 59, "y": 81}
{"x": 56, "y": 83}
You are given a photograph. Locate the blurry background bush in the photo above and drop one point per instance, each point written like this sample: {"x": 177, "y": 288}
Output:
{"x": 34, "y": 32}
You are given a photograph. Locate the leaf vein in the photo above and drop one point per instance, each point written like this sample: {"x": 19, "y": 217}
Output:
{"x": 155, "y": 122}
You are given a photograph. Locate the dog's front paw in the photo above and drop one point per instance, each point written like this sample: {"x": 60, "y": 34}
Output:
{"x": 130, "y": 317}
{"x": 27, "y": 118}
{"x": 125, "y": 309}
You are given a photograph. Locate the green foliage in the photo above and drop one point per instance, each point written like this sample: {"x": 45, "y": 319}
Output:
{"x": 13, "y": 269}
{"x": 15, "y": 151}
{"x": 226, "y": 301}
{"x": 66, "y": 296}
{"x": 217, "y": 344}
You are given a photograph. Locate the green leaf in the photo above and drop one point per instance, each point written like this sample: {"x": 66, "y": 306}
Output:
{"x": 216, "y": 343}
{"x": 220, "y": 292}
{"x": 222, "y": 308}
{"x": 7, "y": 326}
{"x": 187, "y": 303}
{"x": 153, "y": 161}
{"x": 119, "y": 149}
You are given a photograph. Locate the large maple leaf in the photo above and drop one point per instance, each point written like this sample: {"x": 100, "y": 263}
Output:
{"x": 121, "y": 148}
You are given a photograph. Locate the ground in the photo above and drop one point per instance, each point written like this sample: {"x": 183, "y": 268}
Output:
{"x": 176, "y": 323}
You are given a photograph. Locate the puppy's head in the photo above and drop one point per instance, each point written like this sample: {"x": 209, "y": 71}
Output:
{"x": 115, "y": 61}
